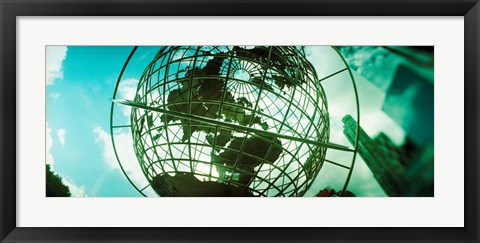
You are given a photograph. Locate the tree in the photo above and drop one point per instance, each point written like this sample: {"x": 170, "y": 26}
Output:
{"x": 55, "y": 186}
{"x": 329, "y": 192}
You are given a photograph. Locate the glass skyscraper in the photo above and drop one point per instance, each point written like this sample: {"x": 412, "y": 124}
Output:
{"x": 384, "y": 159}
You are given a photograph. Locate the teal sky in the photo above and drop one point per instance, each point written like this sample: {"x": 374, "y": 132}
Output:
{"x": 77, "y": 104}
{"x": 79, "y": 88}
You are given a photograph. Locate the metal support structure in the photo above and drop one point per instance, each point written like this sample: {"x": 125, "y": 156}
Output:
{"x": 250, "y": 120}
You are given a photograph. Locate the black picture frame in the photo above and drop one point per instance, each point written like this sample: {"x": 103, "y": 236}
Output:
{"x": 10, "y": 9}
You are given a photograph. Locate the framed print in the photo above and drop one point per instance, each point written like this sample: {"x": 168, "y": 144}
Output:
{"x": 162, "y": 121}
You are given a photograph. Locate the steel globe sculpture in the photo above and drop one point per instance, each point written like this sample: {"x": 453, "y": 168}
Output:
{"x": 230, "y": 121}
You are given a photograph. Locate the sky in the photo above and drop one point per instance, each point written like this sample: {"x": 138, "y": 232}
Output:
{"x": 80, "y": 81}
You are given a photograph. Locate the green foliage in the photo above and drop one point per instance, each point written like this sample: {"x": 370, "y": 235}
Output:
{"x": 55, "y": 186}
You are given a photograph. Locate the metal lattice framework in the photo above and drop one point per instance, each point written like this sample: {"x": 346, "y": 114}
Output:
{"x": 230, "y": 121}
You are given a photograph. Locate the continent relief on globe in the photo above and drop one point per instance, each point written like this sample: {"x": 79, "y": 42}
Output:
{"x": 206, "y": 87}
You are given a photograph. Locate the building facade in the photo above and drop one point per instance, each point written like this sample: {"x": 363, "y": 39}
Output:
{"x": 383, "y": 158}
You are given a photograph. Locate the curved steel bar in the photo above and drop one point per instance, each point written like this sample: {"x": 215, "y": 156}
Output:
{"x": 358, "y": 124}
{"x": 111, "y": 120}
{"x": 232, "y": 126}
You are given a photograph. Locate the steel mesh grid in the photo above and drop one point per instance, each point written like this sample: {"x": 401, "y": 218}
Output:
{"x": 185, "y": 158}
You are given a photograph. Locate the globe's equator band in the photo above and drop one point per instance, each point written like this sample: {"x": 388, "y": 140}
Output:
{"x": 230, "y": 125}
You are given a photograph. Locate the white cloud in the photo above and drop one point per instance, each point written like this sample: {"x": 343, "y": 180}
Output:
{"x": 377, "y": 122}
{"x": 61, "y": 136}
{"x": 127, "y": 90}
{"x": 99, "y": 183}
{"x": 324, "y": 59}
{"x": 55, "y": 55}
{"x": 48, "y": 146}
{"x": 76, "y": 191}
{"x": 123, "y": 142}
{"x": 103, "y": 138}
{"x": 363, "y": 183}
{"x": 55, "y": 96}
